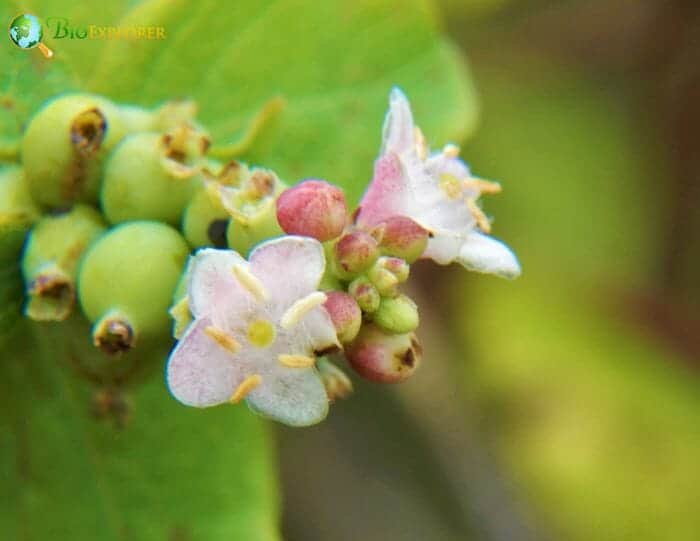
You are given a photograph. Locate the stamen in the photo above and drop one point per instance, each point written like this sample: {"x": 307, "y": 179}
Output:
{"x": 296, "y": 361}
{"x": 482, "y": 186}
{"x": 296, "y": 312}
{"x": 481, "y": 220}
{"x": 421, "y": 144}
{"x": 244, "y": 389}
{"x": 249, "y": 281}
{"x": 450, "y": 150}
{"x": 222, "y": 338}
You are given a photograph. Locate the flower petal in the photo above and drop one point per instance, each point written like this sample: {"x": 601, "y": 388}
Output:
{"x": 289, "y": 267}
{"x": 443, "y": 249}
{"x": 293, "y": 396}
{"x": 200, "y": 372}
{"x": 482, "y": 253}
{"x": 399, "y": 130}
{"x": 387, "y": 193}
{"x": 213, "y": 289}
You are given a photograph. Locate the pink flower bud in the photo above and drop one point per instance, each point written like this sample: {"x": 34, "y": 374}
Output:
{"x": 313, "y": 208}
{"x": 404, "y": 238}
{"x": 382, "y": 357}
{"x": 345, "y": 314}
{"x": 355, "y": 252}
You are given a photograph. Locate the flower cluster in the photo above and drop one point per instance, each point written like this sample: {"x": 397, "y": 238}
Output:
{"x": 266, "y": 288}
{"x": 265, "y": 330}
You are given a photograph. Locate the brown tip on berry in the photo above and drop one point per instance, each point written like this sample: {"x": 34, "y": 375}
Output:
{"x": 87, "y": 132}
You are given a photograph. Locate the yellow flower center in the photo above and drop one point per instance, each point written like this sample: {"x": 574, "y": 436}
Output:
{"x": 451, "y": 186}
{"x": 261, "y": 333}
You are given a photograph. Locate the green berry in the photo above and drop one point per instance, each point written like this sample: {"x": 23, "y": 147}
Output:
{"x": 365, "y": 293}
{"x": 153, "y": 177}
{"x": 126, "y": 283}
{"x": 50, "y": 261}
{"x": 64, "y": 145}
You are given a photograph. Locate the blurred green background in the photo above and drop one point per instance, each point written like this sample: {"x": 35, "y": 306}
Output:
{"x": 564, "y": 405}
{"x": 561, "y": 406}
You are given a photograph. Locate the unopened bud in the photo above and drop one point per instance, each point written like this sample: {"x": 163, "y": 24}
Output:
{"x": 404, "y": 238}
{"x": 382, "y": 357}
{"x": 313, "y": 208}
{"x": 384, "y": 279}
{"x": 336, "y": 382}
{"x": 366, "y": 295}
{"x": 354, "y": 253}
{"x": 397, "y": 315}
{"x": 345, "y": 314}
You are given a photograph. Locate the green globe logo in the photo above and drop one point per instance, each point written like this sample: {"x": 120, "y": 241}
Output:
{"x": 26, "y": 33}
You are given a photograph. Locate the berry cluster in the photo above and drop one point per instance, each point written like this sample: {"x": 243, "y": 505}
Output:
{"x": 265, "y": 287}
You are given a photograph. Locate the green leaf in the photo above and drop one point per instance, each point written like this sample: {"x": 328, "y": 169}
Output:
{"x": 333, "y": 62}
{"x": 171, "y": 473}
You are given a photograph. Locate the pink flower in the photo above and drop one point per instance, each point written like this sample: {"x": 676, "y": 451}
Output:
{"x": 437, "y": 192}
{"x": 256, "y": 331}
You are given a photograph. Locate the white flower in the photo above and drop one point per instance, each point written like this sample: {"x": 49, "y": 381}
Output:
{"x": 437, "y": 192}
{"x": 257, "y": 327}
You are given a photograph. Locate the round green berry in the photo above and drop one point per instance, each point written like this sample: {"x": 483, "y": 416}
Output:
{"x": 126, "y": 283}
{"x": 64, "y": 145}
{"x": 146, "y": 178}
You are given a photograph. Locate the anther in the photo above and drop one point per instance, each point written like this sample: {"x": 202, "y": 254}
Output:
{"x": 296, "y": 361}
{"x": 250, "y": 282}
{"x": 225, "y": 340}
{"x": 296, "y": 312}
{"x": 245, "y": 387}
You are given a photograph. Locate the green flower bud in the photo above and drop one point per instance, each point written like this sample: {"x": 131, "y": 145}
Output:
{"x": 336, "y": 382}
{"x": 252, "y": 209}
{"x": 382, "y": 357}
{"x": 17, "y": 212}
{"x": 365, "y": 293}
{"x": 397, "y": 315}
{"x": 50, "y": 261}
{"x": 126, "y": 283}
{"x": 64, "y": 145}
{"x": 152, "y": 176}
{"x": 205, "y": 220}
{"x": 384, "y": 279}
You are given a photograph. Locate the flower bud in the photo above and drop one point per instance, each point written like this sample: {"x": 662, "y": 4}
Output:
{"x": 126, "y": 283}
{"x": 384, "y": 279}
{"x": 345, "y": 314}
{"x": 152, "y": 176}
{"x": 313, "y": 208}
{"x": 50, "y": 261}
{"x": 64, "y": 145}
{"x": 397, "y": 315}
{"x": 403, "y": 238}
{"x": 365, "y": 293}
{"x": 382, "y": 357}
{"x": 336, "y": 382}
{"x": 354, "y": 253}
